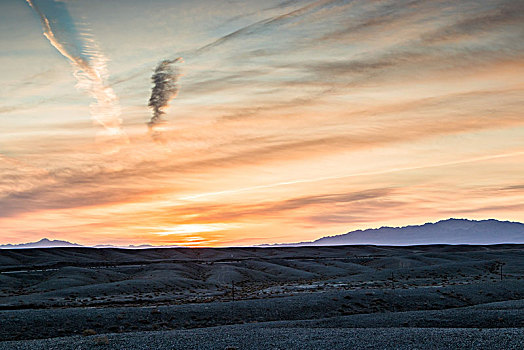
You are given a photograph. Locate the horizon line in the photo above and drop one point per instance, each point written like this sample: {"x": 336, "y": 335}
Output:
{"x": 260, "y": 245}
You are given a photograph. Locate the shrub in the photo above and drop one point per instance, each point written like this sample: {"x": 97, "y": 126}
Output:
{"x": 87, "y": 332}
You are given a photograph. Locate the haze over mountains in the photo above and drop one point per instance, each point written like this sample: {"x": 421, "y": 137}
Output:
{"x": 451, "y": 231}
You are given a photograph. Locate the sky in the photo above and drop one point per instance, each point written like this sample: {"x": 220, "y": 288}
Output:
{"x": 293, "y": 119}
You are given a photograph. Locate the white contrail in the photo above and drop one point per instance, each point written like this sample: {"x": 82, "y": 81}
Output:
{"x": 90, "y": 77}
{"x": 336, "y": 177}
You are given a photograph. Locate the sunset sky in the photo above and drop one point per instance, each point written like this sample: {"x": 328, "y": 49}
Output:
{"x": 294, "y": 119}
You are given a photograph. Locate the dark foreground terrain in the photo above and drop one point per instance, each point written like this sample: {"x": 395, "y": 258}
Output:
{"x": 342, "y": 297}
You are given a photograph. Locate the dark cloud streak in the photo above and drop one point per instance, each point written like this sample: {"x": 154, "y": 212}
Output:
{"x": 164, "y": 90}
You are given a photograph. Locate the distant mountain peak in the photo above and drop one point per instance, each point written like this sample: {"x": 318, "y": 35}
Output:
{"x": 43, "y": 243}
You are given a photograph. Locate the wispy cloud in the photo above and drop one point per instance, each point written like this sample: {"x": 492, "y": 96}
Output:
{"x": 90, "y": 68}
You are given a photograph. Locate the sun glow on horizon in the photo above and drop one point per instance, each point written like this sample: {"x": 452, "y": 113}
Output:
{"x": 190, "y": 228}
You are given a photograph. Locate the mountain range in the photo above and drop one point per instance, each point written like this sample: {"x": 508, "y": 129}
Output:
{"x": 450, "y": 231}
{"x": 47, "y": 243}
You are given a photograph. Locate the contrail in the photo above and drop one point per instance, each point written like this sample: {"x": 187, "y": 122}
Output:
{"x": 336, "y": 177}
{"x": 165, "y": 88}
{"x": 254, "y": 27}
{"x": 90, "y": 72}
{"x": 250, "y": 29}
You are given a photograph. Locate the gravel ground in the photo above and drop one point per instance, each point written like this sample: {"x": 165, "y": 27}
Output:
{"x": 445, "y": 307}
{"x": 247, "y": 337}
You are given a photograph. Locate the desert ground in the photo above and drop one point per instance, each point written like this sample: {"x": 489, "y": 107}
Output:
{"x": 344, "y": 297}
